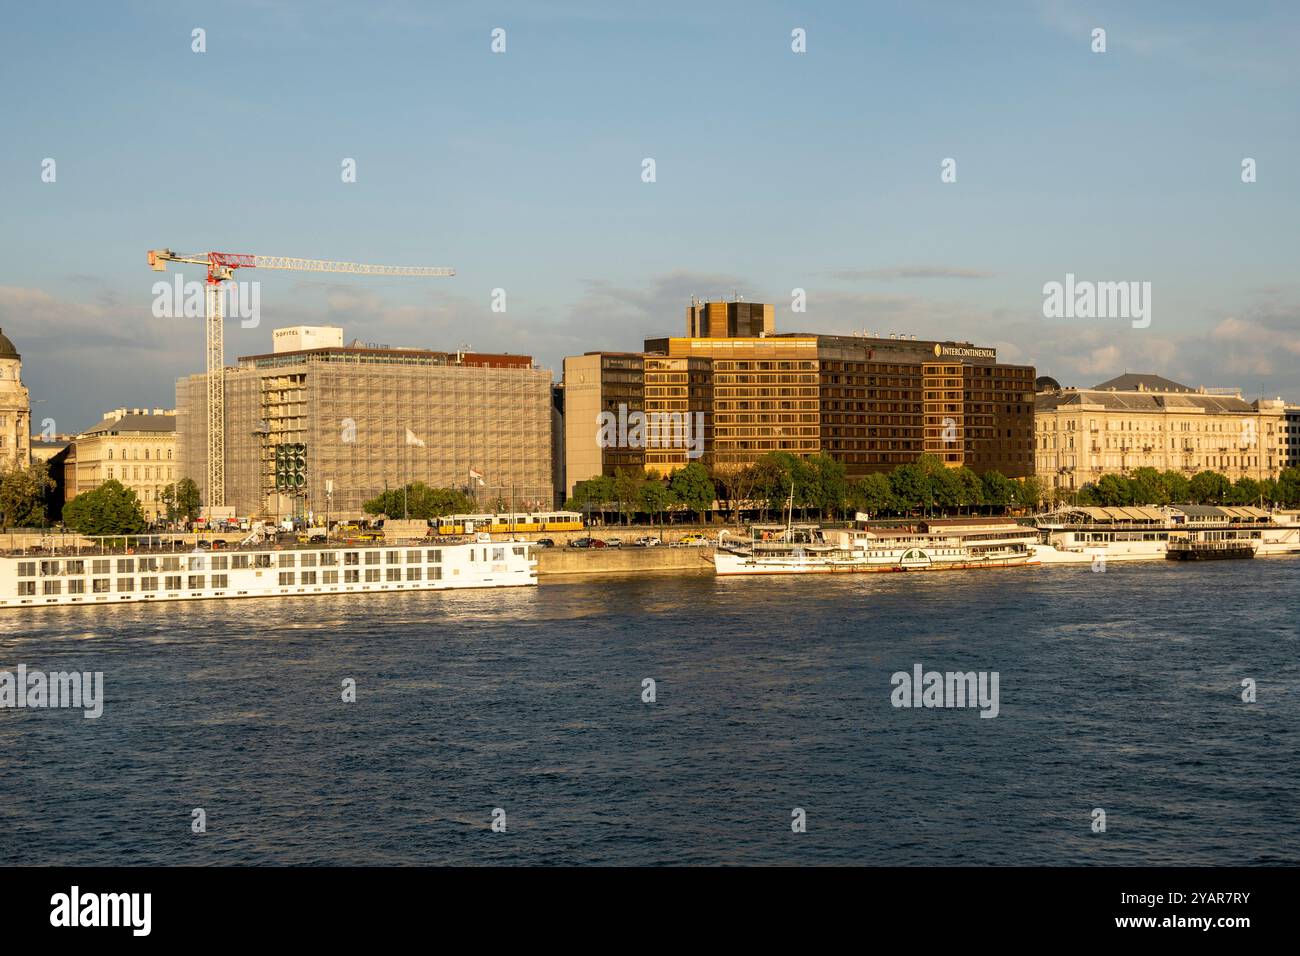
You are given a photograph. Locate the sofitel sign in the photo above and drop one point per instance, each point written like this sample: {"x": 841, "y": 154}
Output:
{"x": 955, "y": 351}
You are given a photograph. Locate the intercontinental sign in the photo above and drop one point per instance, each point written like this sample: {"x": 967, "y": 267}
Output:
{"x": 958, "y": 351}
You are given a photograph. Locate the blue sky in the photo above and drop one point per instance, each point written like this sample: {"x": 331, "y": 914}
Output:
{"x": 775, "y": 171}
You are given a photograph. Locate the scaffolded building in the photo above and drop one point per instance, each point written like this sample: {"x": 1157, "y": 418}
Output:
{"x": 376, "y": 418}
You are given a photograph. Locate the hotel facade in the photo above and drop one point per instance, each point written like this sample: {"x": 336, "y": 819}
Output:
{"x": 873, "y": 403}
{"x": 1146, "y": 421}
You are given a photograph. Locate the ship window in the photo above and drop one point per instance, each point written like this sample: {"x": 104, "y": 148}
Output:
{"x": 261, "y": 560}
{"x": 330, "y": 577}
{"x": 435, "y": 556}
{"x": 372, "y": 575}
{"x": 435, "y": 574}
{"x": 218, "y": 563}
{"x": 309, "y": 577}
{"x": 148, "y": 584}
{"x": 307, "y": 561}
{"x": 498, "y": 554}
{"x": 372, "y": 557}
{"x": 413, "y": 574}
{"x": 286, "y": 561}
{"x": 100, "y": 585}
{"x": 220, "y": 580}
{"x": 125, "y": 565}
{"x": 100, "y": 567}
{"x": 393, "y": 557}
{"x": 126, "y": 584}
{"x": 286, "y": 577}
{"x": 76, "y": 587}
{"x": 393, "y": 574}
{"x": 239, "y": 561}
{"x": 52, "y": 587}
{"x": 27, "y": 587}
{"x": 168, "y": 564}
{"x": 196, "y": 582}
{"x": 172, "y": 582}
{"x": 329, "y": 558}
{"x": 26, "y": 569}
{"x": 350, "y": 577}
{"x": 49, "y": 567}
{"x": 413, "y": 557}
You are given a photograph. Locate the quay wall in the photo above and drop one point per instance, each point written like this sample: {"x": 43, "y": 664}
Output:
{"x": 555, "y": 561}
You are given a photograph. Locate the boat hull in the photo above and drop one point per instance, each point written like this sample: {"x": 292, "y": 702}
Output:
{"x": 96, "y": 579}
{"x": 727, "y": 565}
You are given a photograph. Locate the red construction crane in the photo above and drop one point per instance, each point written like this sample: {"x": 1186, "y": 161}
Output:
{"x": 221, "y": 267}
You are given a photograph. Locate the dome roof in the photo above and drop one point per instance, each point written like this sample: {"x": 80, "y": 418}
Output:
{"x": 7, "y": 350}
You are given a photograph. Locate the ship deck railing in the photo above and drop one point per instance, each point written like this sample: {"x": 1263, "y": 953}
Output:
{"x": 177, "y": 546}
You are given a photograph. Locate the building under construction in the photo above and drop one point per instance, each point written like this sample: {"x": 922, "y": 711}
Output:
{"x": 371, "y": 418}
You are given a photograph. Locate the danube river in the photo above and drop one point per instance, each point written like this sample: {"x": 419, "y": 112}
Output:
{"x": 1118, "y": 691}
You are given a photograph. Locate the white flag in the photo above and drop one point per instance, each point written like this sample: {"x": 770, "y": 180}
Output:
{"x": 412, "y": 440}
{"x": 475, "y": 476}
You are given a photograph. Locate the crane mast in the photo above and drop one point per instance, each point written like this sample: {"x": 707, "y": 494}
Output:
{"x": 221, "y": 267}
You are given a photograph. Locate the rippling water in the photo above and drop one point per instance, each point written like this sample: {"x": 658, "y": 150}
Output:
{"x": 1118, "y": 690}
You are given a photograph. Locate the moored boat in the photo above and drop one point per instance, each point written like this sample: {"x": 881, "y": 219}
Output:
{"x": 152, "y": 570}
{"x": 939, "y": 545}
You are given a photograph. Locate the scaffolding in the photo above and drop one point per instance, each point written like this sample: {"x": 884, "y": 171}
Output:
{"x": 371, "y": 425}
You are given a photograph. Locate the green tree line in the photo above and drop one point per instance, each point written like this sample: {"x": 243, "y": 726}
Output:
{"x": 818, "y": 485}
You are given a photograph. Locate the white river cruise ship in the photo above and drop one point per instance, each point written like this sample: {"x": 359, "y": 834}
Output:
{"x": 939, "y": 545}
{"x": 152, "y": 570}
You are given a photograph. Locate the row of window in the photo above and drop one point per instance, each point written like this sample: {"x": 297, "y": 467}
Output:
{"x": 222, "y": 562}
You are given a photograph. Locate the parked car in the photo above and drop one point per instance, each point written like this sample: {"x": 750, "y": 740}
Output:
{"x": 544, "y": 543}
{"x": 694, "y": 540}
{"x": 647, "y": 541}
{"x": 580, "y": 543}
{"x": 613, "y": 542}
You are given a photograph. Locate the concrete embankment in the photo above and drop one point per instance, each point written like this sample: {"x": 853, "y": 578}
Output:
{"x": 560, "y": 561}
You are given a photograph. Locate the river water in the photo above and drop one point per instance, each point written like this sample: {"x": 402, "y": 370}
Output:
{"x": 1119, "y": 692}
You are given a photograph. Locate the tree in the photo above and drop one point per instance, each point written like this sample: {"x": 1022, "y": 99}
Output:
{"x": 187, "y": 498}
{"x": 693, "y": 487}
{"x": 1030, "y": 492}
{"x": 739, "y": 485}
{"x": 627, "y": 491}
{"x": 826, "y": 483}
{"x": 590, "y": 495}
{"x": 1209, "y": 488}
{"x": 1177, "y": 487}
{"x": 970, "y": 490}
{"x": 947, "y": 489}
{"x": 1288, "y": 487}
{"x": 417, "y": 500}
{"x": 655, "y": 499}
{"x": 1114, "y": 491}
{"x": 22, "y": 496}
{"x": 1148, "y": 487}
{"x": 1246, "y": 491}
{"x": 998, "y": 489}
{"x": 909, "y": 486}
{"x": 871, "y": 493}
{"x": 110, "y": 509}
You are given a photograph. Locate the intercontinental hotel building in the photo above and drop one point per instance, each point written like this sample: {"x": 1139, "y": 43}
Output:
{"x": 872, "y": 403}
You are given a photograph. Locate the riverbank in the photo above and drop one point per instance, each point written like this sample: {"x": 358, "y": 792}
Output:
{"x": 625, "y": 560}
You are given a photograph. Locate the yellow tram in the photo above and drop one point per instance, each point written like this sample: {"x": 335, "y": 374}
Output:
{"x": 523, "y": 523}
